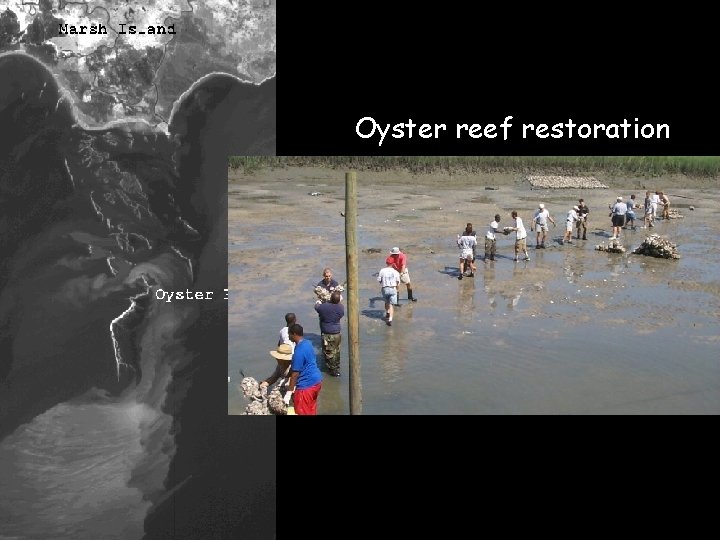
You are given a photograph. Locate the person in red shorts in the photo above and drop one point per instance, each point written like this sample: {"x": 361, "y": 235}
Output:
{"x": 305, "y": 376}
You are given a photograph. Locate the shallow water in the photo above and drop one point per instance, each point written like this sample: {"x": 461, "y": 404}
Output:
{"x": 573, "y": 331}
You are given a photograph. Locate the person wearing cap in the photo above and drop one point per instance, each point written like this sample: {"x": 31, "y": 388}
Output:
{"x": 283, "y": 355}
{"x": 305, "y": 377}
{"x": 572, "y": 217}
{"x": 583, "y": 212}
{"x": 398, "y": 259}
{"x": 491, "y": 239}
{"x": 520, "y": 236}
{"x": 330, "y": 314}
{"x": 389, "y": 279}
{"x": 540, "y": 223}
{"x": 617, "y": 213}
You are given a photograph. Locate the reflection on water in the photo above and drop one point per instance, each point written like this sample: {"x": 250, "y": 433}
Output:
{"x": 509, "y": 290}
{"x": 466, "y": 298}
{"x": 573, "y": 267}
{"x": 489, "y": 279}
{"x": 520, "y": 275}
{"x": 395, "y": 345}
{"x": 333, "y": 389}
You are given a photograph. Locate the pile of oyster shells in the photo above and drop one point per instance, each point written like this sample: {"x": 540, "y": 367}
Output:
{"x": 262, "y": 403}
{"x": 656, "y": 246}
{"x": 613, "y": 246}
{"x": 675, "y": 214}
{"x": 275, "y": 403}
{"x": 258, "y": 400}
{"x": 324, "y": 295}
{"x": 558, "y": 182}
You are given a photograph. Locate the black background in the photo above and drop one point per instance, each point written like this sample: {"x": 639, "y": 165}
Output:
{"x": 465, "y": 63}
{"x": 455, "y": 65}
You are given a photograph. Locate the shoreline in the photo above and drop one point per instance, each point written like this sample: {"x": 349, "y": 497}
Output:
{"x": 490, "y": 178}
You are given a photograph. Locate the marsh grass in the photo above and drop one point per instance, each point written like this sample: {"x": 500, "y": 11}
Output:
{"x": 701, "y": 166}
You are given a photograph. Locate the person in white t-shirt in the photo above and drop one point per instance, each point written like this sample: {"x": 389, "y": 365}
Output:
{"x": 389, "y": 279}
{"x": 290, "y": 319}
{"x": 466, "y": 243}
{"x": 655, "y": 200}
{"x": 520, "y": 236}
{"x": 490, "y": 238}
{"x": 540, "y": 222}
{"x": 572, "y": 217}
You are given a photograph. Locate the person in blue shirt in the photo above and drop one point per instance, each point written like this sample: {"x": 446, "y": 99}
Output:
{"x": 305, "y": 376}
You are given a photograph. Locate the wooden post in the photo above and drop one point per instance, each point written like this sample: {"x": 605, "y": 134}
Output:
{"x": 353, "y": 301}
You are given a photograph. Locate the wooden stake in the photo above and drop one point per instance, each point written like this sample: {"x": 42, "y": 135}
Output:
{"x": 353, "y": 301}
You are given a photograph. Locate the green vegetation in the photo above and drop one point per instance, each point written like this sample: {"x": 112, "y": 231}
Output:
{"x": 701, "y": 166}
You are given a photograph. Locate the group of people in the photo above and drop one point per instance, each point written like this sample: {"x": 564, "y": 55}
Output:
{"x": 297, "y": 372}
{"x": 652, "y": 200}
{"x": 622, "y": 214}
{"x": 467, "y": 242}
{"x": 577, "y": 217}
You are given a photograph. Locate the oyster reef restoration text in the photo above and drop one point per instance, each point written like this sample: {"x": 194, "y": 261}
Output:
{"x": 369, "y": 128}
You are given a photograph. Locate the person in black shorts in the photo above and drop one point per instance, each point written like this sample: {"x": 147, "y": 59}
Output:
{"x": 617, "y": 213}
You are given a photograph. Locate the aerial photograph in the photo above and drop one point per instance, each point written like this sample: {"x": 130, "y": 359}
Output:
{"x": 113, "y": 155}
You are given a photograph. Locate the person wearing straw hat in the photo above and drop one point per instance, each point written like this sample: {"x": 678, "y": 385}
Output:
{"x": 283, "y": 355}
{"x": 398, "y": 259}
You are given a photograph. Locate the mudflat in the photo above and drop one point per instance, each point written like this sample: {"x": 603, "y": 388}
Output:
{"x": 572, "y": 331}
